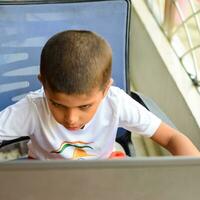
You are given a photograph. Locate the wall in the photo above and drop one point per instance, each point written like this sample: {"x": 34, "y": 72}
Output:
{"x": 156, "y": 72}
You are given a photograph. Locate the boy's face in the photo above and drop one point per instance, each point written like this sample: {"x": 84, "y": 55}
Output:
{"x": 74, "y": 111}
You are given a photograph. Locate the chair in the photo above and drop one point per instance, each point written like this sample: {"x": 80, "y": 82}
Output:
{"x": 26, "y": 26}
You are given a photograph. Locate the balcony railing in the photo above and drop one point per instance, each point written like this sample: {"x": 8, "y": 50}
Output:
{"x": 180, "y": 21}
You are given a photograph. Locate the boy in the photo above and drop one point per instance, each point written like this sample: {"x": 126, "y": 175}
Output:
{"x": 77, "y": 112}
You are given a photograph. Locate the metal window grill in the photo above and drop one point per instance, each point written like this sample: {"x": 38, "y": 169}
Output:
{"x": 180, "y": 21}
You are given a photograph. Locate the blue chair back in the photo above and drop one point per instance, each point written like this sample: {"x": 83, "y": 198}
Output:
{"x": 25, "y": 27}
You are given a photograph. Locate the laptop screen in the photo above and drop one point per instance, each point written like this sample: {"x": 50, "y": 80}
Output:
{"x": 133, "y": 179}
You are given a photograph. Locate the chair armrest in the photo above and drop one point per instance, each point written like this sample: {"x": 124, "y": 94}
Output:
{"x": 17, "y": 140}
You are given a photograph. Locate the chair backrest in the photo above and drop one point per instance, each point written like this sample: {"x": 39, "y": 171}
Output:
{"x": 25, "y": 26}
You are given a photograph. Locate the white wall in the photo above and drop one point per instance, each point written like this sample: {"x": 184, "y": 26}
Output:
{"x": 156, "y": 72}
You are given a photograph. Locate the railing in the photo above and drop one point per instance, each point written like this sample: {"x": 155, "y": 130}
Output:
{"x": 180, "y": 21}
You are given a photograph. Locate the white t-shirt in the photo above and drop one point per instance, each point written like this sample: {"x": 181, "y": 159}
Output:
{"x": 50, "y": 140}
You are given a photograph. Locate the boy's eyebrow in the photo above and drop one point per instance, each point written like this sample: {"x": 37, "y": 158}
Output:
{"x": 52, "y": 101}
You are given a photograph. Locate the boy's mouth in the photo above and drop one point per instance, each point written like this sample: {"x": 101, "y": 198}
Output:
{"x": 73, "y": 128}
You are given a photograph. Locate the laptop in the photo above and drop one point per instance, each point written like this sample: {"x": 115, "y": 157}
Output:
{"x": 155, "y": 178}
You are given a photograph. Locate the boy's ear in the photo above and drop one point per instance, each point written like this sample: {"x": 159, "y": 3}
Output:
{"x": 41, "y": 79}
{"x": 110, "y": 82}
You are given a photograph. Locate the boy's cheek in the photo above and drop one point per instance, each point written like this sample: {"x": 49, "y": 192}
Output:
{"x": 57, "y": 114}
{"x": 58, "y": 117}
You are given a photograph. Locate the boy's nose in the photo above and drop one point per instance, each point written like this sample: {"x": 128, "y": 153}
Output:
{"x": 71, "y": 117}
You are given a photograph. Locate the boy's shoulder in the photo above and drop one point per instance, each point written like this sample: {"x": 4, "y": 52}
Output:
{"x": 36, "y": 96}
{"x": 116, "y": 92}
{"x": 116, "y": 96}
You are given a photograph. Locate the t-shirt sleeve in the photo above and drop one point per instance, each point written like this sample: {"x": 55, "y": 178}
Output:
{"x": 16, "y": 120}
{"x": 135, "y": 117}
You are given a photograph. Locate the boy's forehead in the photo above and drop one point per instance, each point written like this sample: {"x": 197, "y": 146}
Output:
{"x": 86, "y": 95}
{"x": 74, "y": 99}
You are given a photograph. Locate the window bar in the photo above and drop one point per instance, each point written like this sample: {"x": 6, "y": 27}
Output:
{"x": 194, "y": 79}
{"x": 160, "y": 12}
{"x": 185, "y": 21}
{"x": 195, "y": 15}
{"x": 150, "y": 4}
{"x": 198, "y": 28}
{"x": 169, "y": 14}
{"x": 189, "y": 51}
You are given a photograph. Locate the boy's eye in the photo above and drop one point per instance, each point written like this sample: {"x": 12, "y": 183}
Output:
{"x": 85, "y": 107}
{"x": 55, "y": 104}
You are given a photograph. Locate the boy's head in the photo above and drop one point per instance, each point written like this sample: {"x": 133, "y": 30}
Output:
{"x": 75, "y": 71}
{"x": 75, "y": 62}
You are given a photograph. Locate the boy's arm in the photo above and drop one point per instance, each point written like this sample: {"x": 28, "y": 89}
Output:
{"x": 174, "y": 141}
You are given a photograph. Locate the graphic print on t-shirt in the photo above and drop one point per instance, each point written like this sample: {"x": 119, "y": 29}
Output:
{"x": 80, "y": 149}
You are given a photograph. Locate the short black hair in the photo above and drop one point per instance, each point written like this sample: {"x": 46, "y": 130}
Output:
{"x": 75, "y": 62}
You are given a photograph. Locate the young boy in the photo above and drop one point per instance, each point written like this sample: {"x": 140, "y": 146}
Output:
{"x": 77, "y": 112}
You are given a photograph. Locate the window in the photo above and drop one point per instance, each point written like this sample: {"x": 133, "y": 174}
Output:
{"x": 180, "y": 21}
